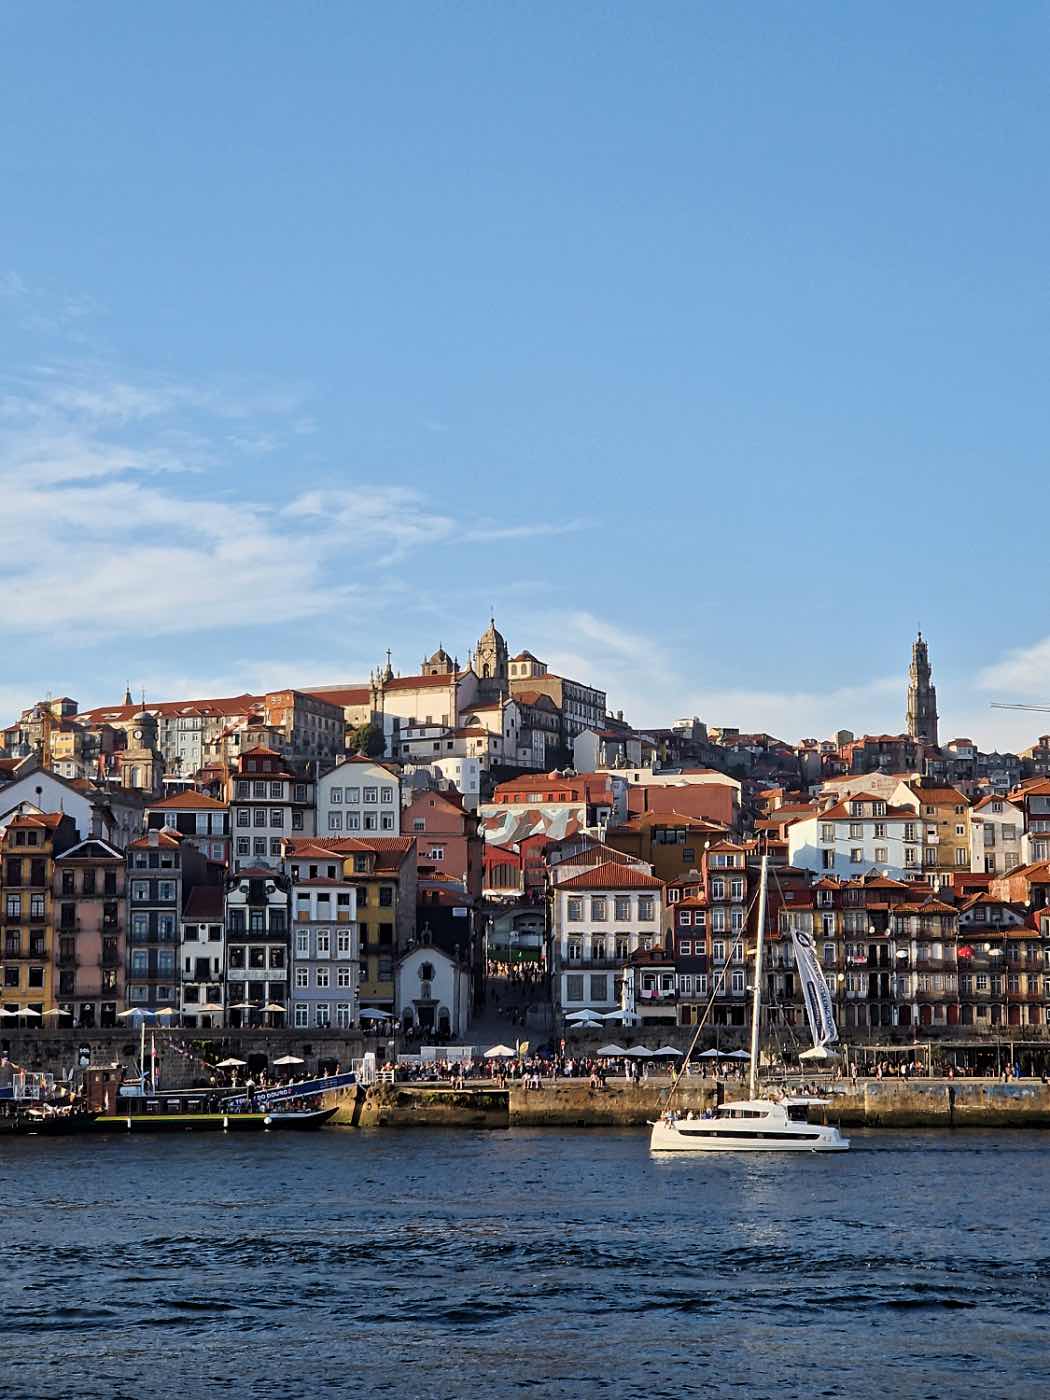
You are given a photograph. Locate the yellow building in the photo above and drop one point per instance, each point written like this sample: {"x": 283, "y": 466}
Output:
{"x": 28, "y": 952}
{"x": 946, "y": 828}
{"x": 383, "y": 871}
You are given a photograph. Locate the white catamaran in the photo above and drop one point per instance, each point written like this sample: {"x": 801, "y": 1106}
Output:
{"x": 756, "y": 1124}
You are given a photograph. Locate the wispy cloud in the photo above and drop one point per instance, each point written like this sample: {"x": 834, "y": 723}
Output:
{"x": 11, "y": 285}
{"x": 1023, "y": 674}
{"x": 109, "y": 485}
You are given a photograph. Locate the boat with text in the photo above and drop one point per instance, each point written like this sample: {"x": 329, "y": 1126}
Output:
{"x": 757, "y": 1124}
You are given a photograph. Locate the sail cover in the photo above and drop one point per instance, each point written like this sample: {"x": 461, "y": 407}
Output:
{"x": 820, "y": 1009}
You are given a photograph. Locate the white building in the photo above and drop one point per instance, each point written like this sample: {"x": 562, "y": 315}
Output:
{"x": 358, "y": 796}
{"x": 113, "y": 815}
{"x": 433, "y": 992}
{"x": 599, "y": 918}
{"x": 326, "y": 953}
{"x": 202, "y": 955}
{"x": 465, "y": 776}
{"x": 859, "y": 834}
{"x": 997, "y": 843}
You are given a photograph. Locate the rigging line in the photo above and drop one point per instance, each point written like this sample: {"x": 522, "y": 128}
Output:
{"x": 716, "y": 985}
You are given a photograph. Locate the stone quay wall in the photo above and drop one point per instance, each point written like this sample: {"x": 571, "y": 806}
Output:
{"x": 881, "y": 1104}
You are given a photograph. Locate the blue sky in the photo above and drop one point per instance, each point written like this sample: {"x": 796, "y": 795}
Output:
{"x": 705, "y": 343}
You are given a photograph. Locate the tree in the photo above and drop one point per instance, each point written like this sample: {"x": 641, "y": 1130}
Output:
{"x": 367, "y": 739}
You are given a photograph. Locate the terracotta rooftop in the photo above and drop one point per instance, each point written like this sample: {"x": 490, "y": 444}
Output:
{"x": 612, "y": 876}
{"x": 190, "y": 800}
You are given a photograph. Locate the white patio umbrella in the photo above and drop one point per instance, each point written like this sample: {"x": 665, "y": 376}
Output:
{"x": 581, "y": 1015}
{"x": 667, "y": 1050}
{"x": 610, "y": 1052}
{"x": 231, "y": 1063}
{"x": 57, "y": 1011}
{"x": 4, "y": 1012}
{"x": 738, "y": 1055}
{"x": 28, "y": 1011}
{"x": 289, "y": 1060}
{"x": 132, "y": 1011}
{"x": 639, "y": 1052}
{"x": 211, "y": 1006}
{"x": 243, "y": 1006}
{"x": 500, "y": 1052}
{"x": 369, "y": 1013}
{"x": 709, "y": 1055}
{"x": 273, "y": 1006}
{"x": 613, "y": 1015}
{"x": 818, "y": 1052}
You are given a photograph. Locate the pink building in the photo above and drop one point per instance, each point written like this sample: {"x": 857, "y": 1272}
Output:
{"x": 89, "y": 932}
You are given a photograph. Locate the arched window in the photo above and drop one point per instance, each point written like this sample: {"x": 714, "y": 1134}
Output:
{"x": 426, "y": 972}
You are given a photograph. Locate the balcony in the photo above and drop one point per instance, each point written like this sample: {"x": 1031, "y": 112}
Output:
{"x": 67, "y": 960}
{"x": 593, "y": 964}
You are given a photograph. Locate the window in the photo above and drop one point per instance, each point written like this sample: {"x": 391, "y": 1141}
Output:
{"x": 302, "y": 976}
{"x": 388, "y": 795}
{"x": 343, "y": 944}
{"x": 685, "y": 918}
{"x": 880, "y": 831}
{"x": 827, "y": 832}
{"x": 324, "y": 943}
{"x": 736, "y": 889}
{"x": 622, "y": 907}
{"x": 599, "y": 909}
{"x": 371, "y": 796}
{"x": 856, "y": 856}
{"x": 685, "y": 947}
{"x": 856, "y": 831}
{"x": 718, "y": 889}
{"x": 574, "y": 909}
{"x": 277, "y": 816}
{"x": 302, "y": 1014}
{"x": 737, "y": 983}
{"x": 14, "y": 906}
{"x": 323, "y": 978}
{"x": 342, "y": 977}
{"x": 827, "y": 860}
{"x": 718, "y": 951}
{"x": 244, "y": 846}
{"x": 336, "y": 797}
{"x": 882, "y": 855}
{"x": 574, "y": 987}
{"x": 599, "y": 987}
{"x": 646, "y": 908}
{"x": 335, "y": 821}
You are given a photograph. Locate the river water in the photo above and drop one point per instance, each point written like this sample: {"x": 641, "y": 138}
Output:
{"x": 526, "y": 1262}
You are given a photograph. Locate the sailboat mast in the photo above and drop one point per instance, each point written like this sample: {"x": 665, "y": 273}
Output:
{"x": 756, "y": 1001}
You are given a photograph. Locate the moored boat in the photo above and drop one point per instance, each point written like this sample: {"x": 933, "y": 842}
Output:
{"x": 750, "y": 1125}
{"x": 756, "y": 1124}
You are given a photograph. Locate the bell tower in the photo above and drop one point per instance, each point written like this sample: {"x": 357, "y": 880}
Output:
{"x": 922, "y": 696}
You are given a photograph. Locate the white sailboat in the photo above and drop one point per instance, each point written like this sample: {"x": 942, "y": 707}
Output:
{"x": 756, "y": 1124}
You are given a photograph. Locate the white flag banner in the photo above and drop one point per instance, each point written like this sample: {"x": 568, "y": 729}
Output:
{"x": 820, "y": 1009}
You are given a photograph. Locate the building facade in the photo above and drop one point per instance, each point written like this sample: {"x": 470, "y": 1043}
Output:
{"x": 91, "y": 939}
{"x": 326, "y": 957}
{"x": 257, "y": 954}
{"x": 359, "y": 797}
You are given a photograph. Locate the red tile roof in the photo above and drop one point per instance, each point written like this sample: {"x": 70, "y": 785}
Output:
{"x": 419, "y": 682}
{"x": 612, "y": 876}
{"x": 191, "y": 800}
{"x": 205, "y": 903}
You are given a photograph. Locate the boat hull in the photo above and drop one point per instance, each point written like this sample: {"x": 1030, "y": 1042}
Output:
{"x": 699, "y": 1136}
{"x": 181, "y": 1122}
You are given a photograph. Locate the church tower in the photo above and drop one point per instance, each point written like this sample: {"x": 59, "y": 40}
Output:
{"x": 922, "y": 696}
{"x": 490, "y": 664}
